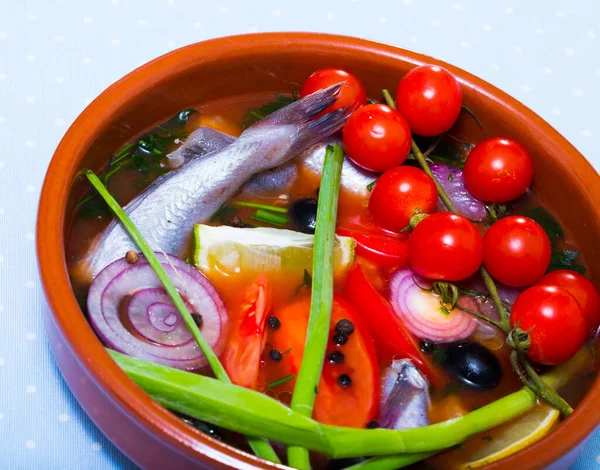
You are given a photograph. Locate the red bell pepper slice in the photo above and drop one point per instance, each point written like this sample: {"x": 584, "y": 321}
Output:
{"x": 390, "y": 335}
{"x": 386, "y": 251}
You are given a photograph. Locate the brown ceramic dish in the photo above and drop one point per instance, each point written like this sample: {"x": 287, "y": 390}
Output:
{"x": 143, "y": 430}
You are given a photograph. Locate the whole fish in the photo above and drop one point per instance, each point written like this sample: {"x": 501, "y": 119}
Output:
{"x": 404, "y": 397}
{"x": 167, "y": 210}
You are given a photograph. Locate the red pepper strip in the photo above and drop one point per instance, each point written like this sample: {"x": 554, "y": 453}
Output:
{"x": 390, "y": 335}
{"x": 383, "y": 250}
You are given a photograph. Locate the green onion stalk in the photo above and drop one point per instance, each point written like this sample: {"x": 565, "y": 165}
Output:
{"x": 317, "y": 333}
{"x": 255, "y": 414}
{"x": 517, "y": 338}
{"x": 259, "y": 446}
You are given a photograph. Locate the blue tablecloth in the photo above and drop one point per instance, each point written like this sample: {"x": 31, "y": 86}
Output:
{"x": 57, "y": 55}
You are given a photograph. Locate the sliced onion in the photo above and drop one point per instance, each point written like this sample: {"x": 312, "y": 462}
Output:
{"x": 452, "y": 180}
{"x": 156, "y": 331}
{"x": 421, "y": 312}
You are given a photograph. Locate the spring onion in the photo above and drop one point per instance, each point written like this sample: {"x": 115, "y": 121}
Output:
{"x": 260, "y": 447}
{"x": 317, "y": 333}
{"x": 270, "y": 218}
{"x": 256, "y": 205}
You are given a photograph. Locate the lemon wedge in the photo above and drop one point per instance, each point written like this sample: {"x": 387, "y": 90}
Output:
{"x": 231, "y": 250}
{"x": 512, "y": 437}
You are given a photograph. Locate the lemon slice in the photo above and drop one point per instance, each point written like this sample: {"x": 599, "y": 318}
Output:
{"x": 511, "y": 437}
{"x": 232, "y": 250}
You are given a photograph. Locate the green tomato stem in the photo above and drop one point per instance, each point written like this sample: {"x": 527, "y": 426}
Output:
{"x": 317, "y": 333}
{"x": 260, "y": 447}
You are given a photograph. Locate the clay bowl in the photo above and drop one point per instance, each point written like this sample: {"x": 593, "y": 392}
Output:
{"x": 148, "y": 434}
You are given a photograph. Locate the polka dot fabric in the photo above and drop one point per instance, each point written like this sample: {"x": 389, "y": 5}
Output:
{"x": 57, "y": 55}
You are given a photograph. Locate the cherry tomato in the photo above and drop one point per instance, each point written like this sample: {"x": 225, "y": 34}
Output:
{"x": 445, "y": 246}
{"x": 498, "y": 170}
{"x": 352, "y": 93}
{"x": 430, "y": 98}
{"x": 376, "y": 137}
{"x": 339, "y": 401}
{"x": 557, "y": 323}
{"x": 241, "y": 358}
{"x": 386, "y": 251}
{"x": 400, "y": 193}
{"x": 516, "y": 251}
{"x": 582, "y": 289}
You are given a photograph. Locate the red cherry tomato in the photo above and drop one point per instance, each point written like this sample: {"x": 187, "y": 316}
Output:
{"x": 352, "y": 94}
{"x": 241, "y": 358}
{"x": 356, "y": 404}
{"x": 516, "y": 251}
{"x": 445, "y": 246}
{"x": 430, "y": 98}
{"x": 377, "y": 137}
{"x": 386, "y": 251}
{"x": 498, "y": 170}
{"x": 398, "y": 194}
{"x": 558, "y": 323}
{"x": 582, "y": 289}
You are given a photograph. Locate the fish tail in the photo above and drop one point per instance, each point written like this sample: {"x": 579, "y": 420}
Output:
{"x": 305, "y": 108}
{"x": 318, "y": 129}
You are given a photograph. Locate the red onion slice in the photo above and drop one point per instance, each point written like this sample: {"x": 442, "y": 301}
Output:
{"x": 153, "y": 316}
{"x": 452, "y": 180}
{"x": 137, "y": 287}
{"x": 421, "y": 312}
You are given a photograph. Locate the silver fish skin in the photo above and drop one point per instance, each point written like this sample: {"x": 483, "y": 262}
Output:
{"x": 404, "y": 397}
{"x": 354, "y": 178}
{"x": 167, "y": 210}
{"x": 202, "y": 141}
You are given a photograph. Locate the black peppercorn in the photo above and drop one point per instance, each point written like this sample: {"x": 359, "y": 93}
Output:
{"x": 197, "y": 319}
{"x": 344, "y": 380}
{"x": 336, "y": 357}
{"x": 427, "y": 346}
{"x": 340, "y": 339}
{"x": 372, "y": 424}
{"x": 345, "y": 327}
{"x": 274, "y": 323}
{"x": 275, "y": 355}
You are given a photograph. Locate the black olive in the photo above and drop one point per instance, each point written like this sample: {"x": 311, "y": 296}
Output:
{"x": 275, "y": 355}
{"x": 372, "y": 424}
{"x": 473, "y": 364}
{"x": 336, "y": 357}
{"x": 274, "y": 323}
{"x": 345, "y": 327}
{"x": 202, "y": 426}
{"x": 197, "y": 319}
{"x": 304, "y": 214}
{"x": 427, "y": 346}
{"x": 339, "y": 464}
{"x": 340, "y": 339}
{"x": 344, "y": 380}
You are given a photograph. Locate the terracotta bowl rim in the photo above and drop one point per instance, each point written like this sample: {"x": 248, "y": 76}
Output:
{"x": 80, "y": 338}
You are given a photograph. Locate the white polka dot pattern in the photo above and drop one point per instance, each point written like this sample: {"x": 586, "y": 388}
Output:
{"x": 56, "y": 56}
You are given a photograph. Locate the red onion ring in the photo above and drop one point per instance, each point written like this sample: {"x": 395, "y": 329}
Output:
{"x": 452, "y": 180}
{"x": 137, "y": 287}
{"x": 420, "y": 310}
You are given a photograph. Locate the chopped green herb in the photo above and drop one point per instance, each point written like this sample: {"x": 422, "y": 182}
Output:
{"x": 270, "y": 218}
{"x": 438, "y": 356}
{"x": 370, "y": 185}
{"x": 565, "y": 260}
{"x": 487, "y": 438}
{"x": 287, "y": 351}
{"x": 444, "y": 310}
{"x": 548, "y": 223}
{"x": 256, "y": 205}
{"x": 281, "y": 101}
{"x": 281, "y": 381}
{"x": 472, "y": 114}
{"x": 451, "y": 388}
{"x": 306, "y": 281}
{"x": 223, "y": 214}
{"x": 450, "y": 177}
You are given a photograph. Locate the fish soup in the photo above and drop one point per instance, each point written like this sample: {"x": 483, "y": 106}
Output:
{"x": 409, "y": 274}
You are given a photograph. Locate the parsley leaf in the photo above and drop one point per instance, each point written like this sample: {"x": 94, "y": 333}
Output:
{"x": 548, "y": 223}
{"x": 565, "y": 260}
{"x": 256, "y": 114}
